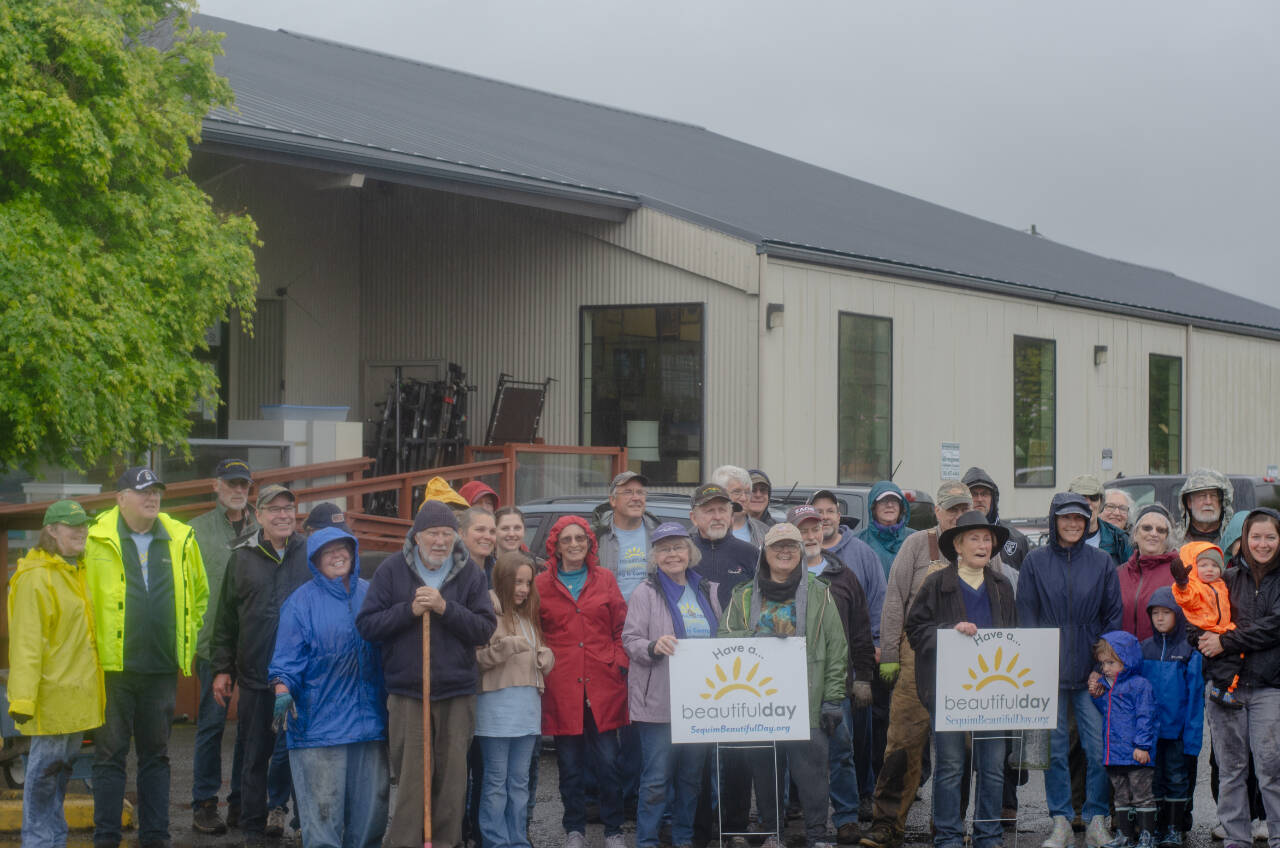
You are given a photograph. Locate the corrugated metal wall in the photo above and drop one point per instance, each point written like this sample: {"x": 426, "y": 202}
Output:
{"x": 257, "y": 361}
{"x": 497, "y": 288}
{"x": 953, "y": 382}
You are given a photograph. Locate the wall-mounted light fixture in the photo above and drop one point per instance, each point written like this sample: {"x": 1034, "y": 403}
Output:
{"x": 773, "y": 315}
{"x": 1099, "y": 354}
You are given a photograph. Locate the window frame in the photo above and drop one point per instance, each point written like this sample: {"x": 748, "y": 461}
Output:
{"x": 840, "y": 481}
{"x": 1182, "y": 407}
{"x": 702, "y": 375}
{"x": 1053, "y": 390}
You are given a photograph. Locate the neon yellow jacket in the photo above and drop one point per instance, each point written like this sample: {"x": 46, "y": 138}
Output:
{"x": 54, "y": 675}
{"x": 105, "y": 566}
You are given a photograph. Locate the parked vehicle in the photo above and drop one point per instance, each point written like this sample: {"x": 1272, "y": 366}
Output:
{"x": 541, "y": 513}
{"x": 1250, "y": 492}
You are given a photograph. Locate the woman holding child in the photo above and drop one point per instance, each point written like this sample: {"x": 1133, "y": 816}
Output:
{"x": 1247, "y": 723}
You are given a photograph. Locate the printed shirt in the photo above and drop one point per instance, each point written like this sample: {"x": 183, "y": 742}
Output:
{"x": 633, "y": 559}
{"x": 696, "y": 625}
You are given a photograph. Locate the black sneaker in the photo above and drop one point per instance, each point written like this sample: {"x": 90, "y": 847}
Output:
{"x": 205, "y": 818}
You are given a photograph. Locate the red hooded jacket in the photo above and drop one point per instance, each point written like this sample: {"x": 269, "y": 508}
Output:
{"x": 586, "y": 637}
{"x": 1139, "y": 579}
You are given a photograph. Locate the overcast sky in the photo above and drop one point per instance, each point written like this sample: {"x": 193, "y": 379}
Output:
{"x": 1143, "y": 130}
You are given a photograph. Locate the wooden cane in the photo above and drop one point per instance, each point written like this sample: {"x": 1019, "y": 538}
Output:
{"x": 426, "y": 729}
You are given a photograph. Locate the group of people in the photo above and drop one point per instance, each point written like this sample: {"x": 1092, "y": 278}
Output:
{"x": 576, "y": 644}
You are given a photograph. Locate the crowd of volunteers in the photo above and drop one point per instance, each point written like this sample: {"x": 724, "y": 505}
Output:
{"x": 1165, "y": 622}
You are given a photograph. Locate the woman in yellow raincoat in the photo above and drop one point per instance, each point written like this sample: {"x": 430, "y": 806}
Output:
{"x": 55, "y": 680}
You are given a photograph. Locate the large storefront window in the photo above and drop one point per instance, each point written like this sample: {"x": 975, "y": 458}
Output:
{"x": 642, "y": 374}
{"x": 1034, "y": 412}
{"x": 865, "y": 399}
{"x": 1164, "y": 417}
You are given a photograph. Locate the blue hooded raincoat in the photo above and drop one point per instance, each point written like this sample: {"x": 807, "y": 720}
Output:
{"x": 1173, "y": 668}
{"x": 1128, "y": 707}
{"x": 1074, "y": 589}
{"x": 334, "y": 675}
{"x": 886, "y": 541}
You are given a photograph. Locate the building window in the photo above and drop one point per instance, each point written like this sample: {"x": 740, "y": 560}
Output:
{"x": 642, "y": 373}
{"x": 1164, "y": 417}
{"x": 865, "y": 399}
{"x": 1034, "y": 412}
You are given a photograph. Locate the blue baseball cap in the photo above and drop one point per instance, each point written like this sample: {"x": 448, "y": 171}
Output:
{"x": 668, "y": 530}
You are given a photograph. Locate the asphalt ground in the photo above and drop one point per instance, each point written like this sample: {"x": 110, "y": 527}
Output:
{"x": 546, "y": 831}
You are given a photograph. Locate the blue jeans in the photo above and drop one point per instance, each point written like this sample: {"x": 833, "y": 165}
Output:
{"x": 667, "y": 767}
{"x": 1171, "y": 782}
{"x": 572, "y": 754}
{"x": 949, "y": 771}
{"x": 206, "y": 778}
{"x": 844, "y": 771}
{"x": 533, "y": 772}
{"x": 343, "y": 792}
{"x": 139, "y": 709}
{"x": 630, "y": 762}
{"x": 504, "y": 800}
{"x": 48, "y": 770}
{"x": 1057, "y": 779}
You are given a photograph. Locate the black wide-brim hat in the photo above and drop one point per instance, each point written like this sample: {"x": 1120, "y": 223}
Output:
{"x": 971, "y": 520}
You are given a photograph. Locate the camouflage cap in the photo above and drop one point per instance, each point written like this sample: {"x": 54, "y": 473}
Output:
{"x": 952, "y": 493}
{"x": 1085, "y": 484}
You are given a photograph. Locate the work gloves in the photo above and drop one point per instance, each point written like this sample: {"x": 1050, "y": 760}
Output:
{"x": 283, "y": 710}
{"x": 889, "y": 672}
{"x": 831, "y": 717}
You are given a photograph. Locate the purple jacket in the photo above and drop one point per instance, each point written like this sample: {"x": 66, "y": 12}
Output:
{"x": 649, "y": 679}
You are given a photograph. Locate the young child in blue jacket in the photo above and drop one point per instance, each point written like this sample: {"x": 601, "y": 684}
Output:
{"x": 1129, "y": 738}
{"x": 1176, "y": 675}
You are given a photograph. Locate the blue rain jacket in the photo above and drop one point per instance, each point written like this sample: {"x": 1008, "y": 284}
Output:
{"x": 1074, "y": 590}
{"x": 1174, "y": 670}
{"x": 334, "y": 675}
{"x": 886, "y": 541}
{"x": 1128, "y": 707}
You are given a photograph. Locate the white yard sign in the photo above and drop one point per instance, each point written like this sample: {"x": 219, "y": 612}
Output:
{"x": 997, "y": 680}
{"x": 739, "y": 690}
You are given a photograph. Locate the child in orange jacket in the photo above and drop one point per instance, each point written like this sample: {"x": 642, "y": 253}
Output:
{"x": 1200, "y": 591}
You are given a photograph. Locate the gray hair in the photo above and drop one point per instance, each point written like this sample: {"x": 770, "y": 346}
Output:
{"x": 695, "y": 555}
{"x": 726, "y": 473}
{"x": 1169, "y": 543}
{"x": 1128, "y": 498}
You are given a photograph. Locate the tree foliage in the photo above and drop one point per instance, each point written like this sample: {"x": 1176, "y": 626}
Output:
{"x": 113, "y": 263}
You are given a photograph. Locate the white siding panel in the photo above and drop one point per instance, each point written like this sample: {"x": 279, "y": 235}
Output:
{"x": 1233, "y": 388}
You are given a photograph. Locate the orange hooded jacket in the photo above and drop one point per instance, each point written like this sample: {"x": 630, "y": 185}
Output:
{"x": 1205, "y": 605}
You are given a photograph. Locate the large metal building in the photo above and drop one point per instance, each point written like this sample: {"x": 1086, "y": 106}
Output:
{"x": 699, "y": 299}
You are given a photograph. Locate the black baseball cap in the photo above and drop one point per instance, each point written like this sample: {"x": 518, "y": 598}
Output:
{"x": 233, "y": 469}
{"x": 326, "y": 515}
{"x": 139, "y": 478}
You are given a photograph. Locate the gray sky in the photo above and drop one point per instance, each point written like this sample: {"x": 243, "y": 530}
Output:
{"x": 1144, "y": 130}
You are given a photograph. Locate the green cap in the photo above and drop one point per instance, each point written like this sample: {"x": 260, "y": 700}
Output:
{"x": 66, "y": 512}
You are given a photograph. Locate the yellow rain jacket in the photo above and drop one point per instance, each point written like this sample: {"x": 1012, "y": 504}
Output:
{"x": 105, "y": 565}
{"x": 54, "y": 673}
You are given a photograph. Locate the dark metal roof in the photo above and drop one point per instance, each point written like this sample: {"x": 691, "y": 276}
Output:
{"x": 306, "y": 97}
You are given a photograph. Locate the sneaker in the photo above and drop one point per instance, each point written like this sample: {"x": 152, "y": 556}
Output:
{"x": 1259, "y": 828}
{"x": 1060, "y": 835}
{"x": 1225, "y": 698}
{"x": 615, "y": 841}
{"x": 276, "y": 820}
{"x": 1219, "y": 832}
{"x": 205, "y": 818}
{"x": 574, "y": 839}
{"x": 1097, "y": 835}
{"x": 881, "y": 835}
{"x": 848, "y": 833}
{"x": 1171, "y": 838}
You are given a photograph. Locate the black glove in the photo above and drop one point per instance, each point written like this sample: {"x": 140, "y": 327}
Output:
{"x": 1179, "y": 571}
{"x": 830, "y": 718}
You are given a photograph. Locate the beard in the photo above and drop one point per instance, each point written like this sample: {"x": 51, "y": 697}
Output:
{"x": 715, "y": 533}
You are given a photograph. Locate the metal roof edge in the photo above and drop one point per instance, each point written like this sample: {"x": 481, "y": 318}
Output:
{"x": 837, "y": 259}
{"x": 395, "y": 166}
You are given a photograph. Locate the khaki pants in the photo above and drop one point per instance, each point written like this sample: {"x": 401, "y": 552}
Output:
{"x": 453, "y": 722}
{"x": 908, "y": 735}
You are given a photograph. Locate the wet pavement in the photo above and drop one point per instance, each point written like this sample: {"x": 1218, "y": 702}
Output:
{"x": 546, "y": 831}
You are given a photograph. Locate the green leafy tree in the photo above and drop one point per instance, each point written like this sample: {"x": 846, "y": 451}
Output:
{"x": 113, "y": 263}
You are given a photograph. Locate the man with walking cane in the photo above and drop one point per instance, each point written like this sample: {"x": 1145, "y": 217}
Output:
{"x": 428, "y": 609}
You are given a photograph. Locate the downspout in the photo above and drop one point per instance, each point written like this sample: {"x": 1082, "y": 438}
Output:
{"x": 762, "y": 305}
{"x": 1186, "y": 380}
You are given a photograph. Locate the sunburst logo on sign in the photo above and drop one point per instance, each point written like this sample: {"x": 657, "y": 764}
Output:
{"x": 734, "y": 681}
{"x": 998, "y": 672}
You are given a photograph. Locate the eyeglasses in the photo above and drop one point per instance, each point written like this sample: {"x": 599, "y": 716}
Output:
{"x": 786, "y": 546}
{"x": 1159, "y": 530}
{"x": 279, "y": 510}
{"x": 1121, "y": 508}
{"x": 573, "y": 540}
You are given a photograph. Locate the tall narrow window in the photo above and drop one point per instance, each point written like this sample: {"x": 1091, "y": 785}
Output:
{"x": 1034, "y": 412}
{"x": 865, "y": 399}
{"x": 642, "y": 373}
{"x": 1164, "y": 415}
